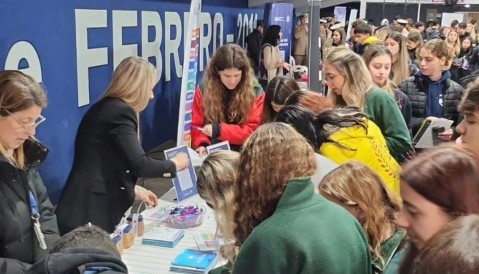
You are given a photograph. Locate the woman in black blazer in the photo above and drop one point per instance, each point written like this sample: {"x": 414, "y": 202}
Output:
{"x": 108, "y": 154}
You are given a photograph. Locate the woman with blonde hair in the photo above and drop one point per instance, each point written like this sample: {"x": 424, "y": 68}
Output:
{"x": 281, "y": 225}
{"x": 216, "y": 180}
{"x": 109, "y": 156}
{"x": 350, "y": 84}
{"x": 431, "y": 91}
{"x": 396, "y": 43}
{"x": 361, "y": 191}
{"x": 378, "y": 58}
{"x": 228, "y": 104}
{"x": 24, "y": 202}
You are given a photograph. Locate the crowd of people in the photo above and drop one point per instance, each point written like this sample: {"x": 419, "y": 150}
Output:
{"x": 314, "y": 183}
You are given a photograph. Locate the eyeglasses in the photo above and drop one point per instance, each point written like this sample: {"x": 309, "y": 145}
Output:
{"x": 27, "y": 125}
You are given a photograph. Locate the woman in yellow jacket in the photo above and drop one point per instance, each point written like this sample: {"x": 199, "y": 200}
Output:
{"x": 343, "y": 135}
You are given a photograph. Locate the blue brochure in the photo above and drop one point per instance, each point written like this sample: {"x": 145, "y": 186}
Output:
{"x": 225, "y": 145}
{"x": 185, "y": 180}
{"x": 195, "y": 259}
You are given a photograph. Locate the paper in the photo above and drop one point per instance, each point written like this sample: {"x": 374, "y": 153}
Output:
{"x": 225, "y": 145}
{"x": 185, "y": 180}
{"x": 424, "y": 138}
{"x": 206, "y": 241}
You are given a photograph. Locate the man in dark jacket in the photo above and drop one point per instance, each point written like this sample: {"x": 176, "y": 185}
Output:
{"x": 253, "y": 45}
{"x": 87, "y": 249}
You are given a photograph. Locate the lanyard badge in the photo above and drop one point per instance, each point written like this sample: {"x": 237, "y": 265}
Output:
{"x": 36, "y": 221}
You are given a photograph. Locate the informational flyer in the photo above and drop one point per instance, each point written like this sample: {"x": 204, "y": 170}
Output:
{"x": 225, "y": 145}
{"x": 185, "y": 180}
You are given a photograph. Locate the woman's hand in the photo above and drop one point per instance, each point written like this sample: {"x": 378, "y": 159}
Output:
{"x": 145, "y": 195}
{"x": 286, "y": 66}
{"x": 181, "y": 161}
{"x": 202, "y": 151}
{"x": 207, "y": 130}
{"x": 446, "y": 135}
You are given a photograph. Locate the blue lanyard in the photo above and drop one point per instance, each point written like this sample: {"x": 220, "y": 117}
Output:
{"x": 33, "y": 204}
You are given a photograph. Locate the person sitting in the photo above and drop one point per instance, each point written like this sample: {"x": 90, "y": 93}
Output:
{"x": 280, "y": 224}
{"x": 29, "y": 225}
{"x": 86, "y": 250}
{"x": 361, "y": 191}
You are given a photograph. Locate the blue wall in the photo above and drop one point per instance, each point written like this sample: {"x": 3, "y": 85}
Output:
{"x": 51, "y": 30}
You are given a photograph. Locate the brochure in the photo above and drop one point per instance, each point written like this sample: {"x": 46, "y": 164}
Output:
{"x": 185, "y": 180}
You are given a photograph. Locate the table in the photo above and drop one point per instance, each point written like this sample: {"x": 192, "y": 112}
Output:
{"x": 146, "y": 259}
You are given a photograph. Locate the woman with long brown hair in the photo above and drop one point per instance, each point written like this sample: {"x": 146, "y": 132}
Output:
{"x": 276, "y": 93}
{"x": 437, "y": 187}
{"x": 229, "y": 103}
{"x": 281, "y": 225}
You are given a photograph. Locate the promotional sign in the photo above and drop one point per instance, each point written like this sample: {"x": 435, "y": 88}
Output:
{"x": 185, "y": 180}
{"x": 340, "y": 13}
{"x": 281, "y": 14}
{"x": 188, "y": 83}
{"x": 72, "y": 47}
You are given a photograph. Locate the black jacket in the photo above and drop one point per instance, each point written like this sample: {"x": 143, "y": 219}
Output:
{"x": 416, "y": 89}
{"x": 77, "y": 260}
{"x": 18, "y": 245}
{"x": 254, "y": 45}
{"x": 108, "y": 159}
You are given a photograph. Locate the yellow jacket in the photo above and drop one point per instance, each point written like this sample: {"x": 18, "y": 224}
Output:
{"x": 368, "y": 148}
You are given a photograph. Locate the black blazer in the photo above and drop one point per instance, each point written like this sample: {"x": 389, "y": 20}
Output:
{"x": 108, "y": 159}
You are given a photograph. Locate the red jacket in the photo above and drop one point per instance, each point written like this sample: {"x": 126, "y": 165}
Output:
{"x": 234, "y": 134}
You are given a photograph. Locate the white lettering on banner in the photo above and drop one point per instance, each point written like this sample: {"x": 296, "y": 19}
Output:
{"x": 123, "y": 19}
{"x": 88, "y": 58}
{"x": 218, "y": 31}
{"x": 24, "y": 50}
{"x": 152, "y": 49}
{"x": 205, "y": 38}
{"x": 172, "y": 19}
{"x": 245, "y": 27}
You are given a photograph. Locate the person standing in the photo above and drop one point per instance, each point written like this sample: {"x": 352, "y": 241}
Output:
{"x": 301, "y": 41}
{"x": 253, "y": 45}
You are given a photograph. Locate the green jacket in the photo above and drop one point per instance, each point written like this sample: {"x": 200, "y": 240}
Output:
{"x": 391, "y": 254}
{"x": 383, "y": 110}
{"x": 306, "y": 234}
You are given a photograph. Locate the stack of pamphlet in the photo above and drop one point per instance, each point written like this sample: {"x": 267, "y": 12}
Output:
{"x": 162, "y": 236}
{"x": 194, "y": 262}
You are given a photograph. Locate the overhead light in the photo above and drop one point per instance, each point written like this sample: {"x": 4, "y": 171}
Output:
{"x": 467, "y": 5}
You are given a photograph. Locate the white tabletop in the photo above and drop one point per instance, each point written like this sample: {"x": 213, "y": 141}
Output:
{"x": 146, "y": 259}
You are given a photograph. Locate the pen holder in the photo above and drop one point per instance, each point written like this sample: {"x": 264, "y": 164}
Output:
{"x": 185, "y": 216}
{"x": 128, "y": 236}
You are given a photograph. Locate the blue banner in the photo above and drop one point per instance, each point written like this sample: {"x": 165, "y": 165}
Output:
{"x": 281, "y": 14}
{"x": 73, "y": 47}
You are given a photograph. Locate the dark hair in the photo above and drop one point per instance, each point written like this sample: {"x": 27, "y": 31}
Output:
{"x": 454, "y": 23}
{"x": 418, "y": 24}
{"x": 87, "y": 236}
{"x": 259, "y": 23}
{"x": 415, "y": 36}
{"x": 473, "y": 21}
{"x": 363, "y": 29}
{"x": 271, "y": 36}
{"x": 317, "y": 128}
{"x": 313, "y": 101}
{"x": 453, "y": 249}
{"x": 446, "y": 176}
{"x": 277, "y": 91}
{"x": 470, "y": 101}
{"x": 462, "y": 25}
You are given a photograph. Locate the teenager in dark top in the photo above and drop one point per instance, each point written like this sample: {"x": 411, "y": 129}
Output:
{"x": 253, "y": 45}
{"x": 109, "y": 156}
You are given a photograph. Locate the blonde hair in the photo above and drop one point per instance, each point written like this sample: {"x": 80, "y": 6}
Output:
{"x": 375, "y": 50}
{"x": 456, "y": 47}
{"x": 400, "y": 68}
{"x": 18, "y": 92}
{"x": 227, "y": 57}
{"x": 383, "y": 32}
{"x": 133, "y": 82}
{"x": 263, "y": 181}
{"x": 355, "y": 185}
{"x": 358, "y": 80}
{"x": 216, "y": 178}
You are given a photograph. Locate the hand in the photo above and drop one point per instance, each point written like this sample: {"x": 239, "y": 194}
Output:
{"x": 207, "y": 130}
{"x": 286, "y": 66}
{"x": 145, "y": 195}
{"x": 446, "y": 135}
{"x": 181, "y": 161}
{"x": 202, "y": 151}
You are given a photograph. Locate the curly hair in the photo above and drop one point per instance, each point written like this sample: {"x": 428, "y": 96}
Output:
{"x": 439, "y": 49}
{"x": 228, "y": 56}
{"x": 263, "y": 181}
{"x": 356, "y": 186}
{"x": 358, "y": 80}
